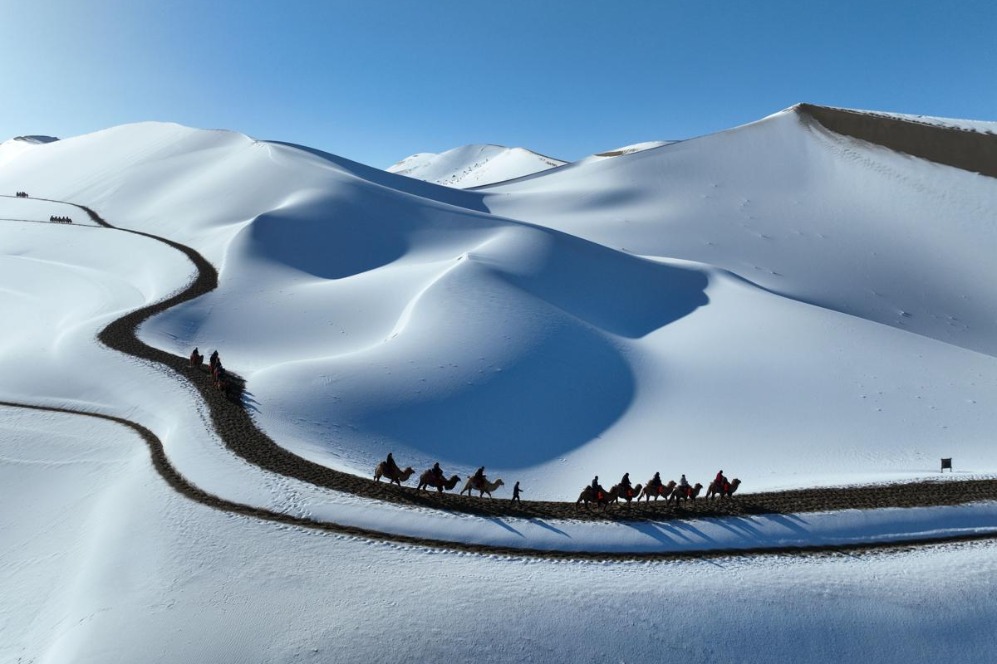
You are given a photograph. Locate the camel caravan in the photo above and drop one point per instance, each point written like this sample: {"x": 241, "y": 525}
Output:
{"x": 435, "y": 478}
{"x": 225, "y": 382}
{"x": 671, "y": 492}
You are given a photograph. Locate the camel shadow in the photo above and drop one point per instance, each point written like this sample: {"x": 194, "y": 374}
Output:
{"x": 681, "y": 528}
{"x": 500, "y": 522}
{"x": 547, "y": 526}
{"x": 250, "y": 402}
{"x": 651, "y": 529}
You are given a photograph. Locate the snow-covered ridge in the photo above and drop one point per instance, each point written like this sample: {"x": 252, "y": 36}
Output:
{"x": 627, "y": 149}
{"x": 473, "y": 165}
{"x": 971, "y": 146}
{"x": 14, "y": 147}
{"x": 981, "y": 126}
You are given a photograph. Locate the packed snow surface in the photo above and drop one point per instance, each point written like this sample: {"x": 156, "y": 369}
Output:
{"x": 778, "y": 301}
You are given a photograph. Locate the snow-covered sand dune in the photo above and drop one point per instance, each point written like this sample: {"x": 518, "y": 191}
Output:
{"x": 681, "y": 335}
{"x": 473, "y": 165}
{"x": 782, "y": 301}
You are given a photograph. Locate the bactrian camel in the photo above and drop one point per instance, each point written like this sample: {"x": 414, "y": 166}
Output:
{"x": 657, "y": 489}
{"x": 719, "y": 492}
{"x": 589, "y": 495}
{"x": 685, "y": 493}
{"x": 428, "y": 479}
{"x": 627, "y": 494}
{"x": 398, "y": 477}
{"x": 482, "y": 488}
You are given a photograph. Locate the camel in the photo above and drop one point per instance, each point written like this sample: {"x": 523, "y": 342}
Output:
{"x": 628, "y": 494}
{"x": 723, "y": 492}
{"x": 689, "y": 493}
{"x": 428, "y": 479}
{"x": 483, "y": 488}
{"x": 656, "y": 489}
{"x": 398, "y": 477}
{"x": 588, "y": 495}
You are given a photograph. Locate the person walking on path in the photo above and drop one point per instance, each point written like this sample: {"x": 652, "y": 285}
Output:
{"x": 515, "y": 493}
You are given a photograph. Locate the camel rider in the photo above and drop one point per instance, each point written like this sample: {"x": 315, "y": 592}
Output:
{"x": 438, "y": 472}
{"x": 478, "y": 479}
{"x": 684, "y": 487}
{"x": 390, "y": 465}
{"x": 720, "y": 482}
{"x": 597, "y": 490}
{"x": 625, "y": 484}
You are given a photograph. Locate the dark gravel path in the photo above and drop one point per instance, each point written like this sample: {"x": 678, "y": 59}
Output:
{"x": 239, "y": 433}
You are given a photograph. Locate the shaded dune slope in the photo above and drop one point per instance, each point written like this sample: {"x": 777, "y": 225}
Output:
{"x": 952, "y": 146}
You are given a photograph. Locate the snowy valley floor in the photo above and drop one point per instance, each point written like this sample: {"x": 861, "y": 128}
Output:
{"x": 123, "y": 568}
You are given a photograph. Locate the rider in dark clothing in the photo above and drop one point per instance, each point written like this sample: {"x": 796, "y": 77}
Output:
{"x": 437, "y": 472}
{"x": 479, "y": 477}
{"x": 597, "y": 489}
{"x": 391, "y": 465}
{"x": 684, "y": 488}
{"x": 626, "y": 486}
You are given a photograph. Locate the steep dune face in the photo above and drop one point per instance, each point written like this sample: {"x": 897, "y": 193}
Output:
{"x": 801, "y": 211}
{"x": 961, "y": 147}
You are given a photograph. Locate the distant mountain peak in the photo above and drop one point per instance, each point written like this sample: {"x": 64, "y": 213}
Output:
{"x": 473, "y": 165}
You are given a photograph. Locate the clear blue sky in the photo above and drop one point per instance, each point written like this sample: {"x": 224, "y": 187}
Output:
{"x": 377, "y": 80}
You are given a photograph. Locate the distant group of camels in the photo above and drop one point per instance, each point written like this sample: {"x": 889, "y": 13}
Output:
{"x": 670, "y": 491}
{"x": 429, "y": 479}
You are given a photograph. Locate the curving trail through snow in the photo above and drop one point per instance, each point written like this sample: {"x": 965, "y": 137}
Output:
{"x": 922, "y": 512}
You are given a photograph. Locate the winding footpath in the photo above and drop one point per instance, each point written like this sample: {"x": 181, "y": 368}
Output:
{"x": 236, "y": 428}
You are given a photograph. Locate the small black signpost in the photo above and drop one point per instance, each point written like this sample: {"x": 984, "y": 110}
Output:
{"x": 946, "y": 463}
